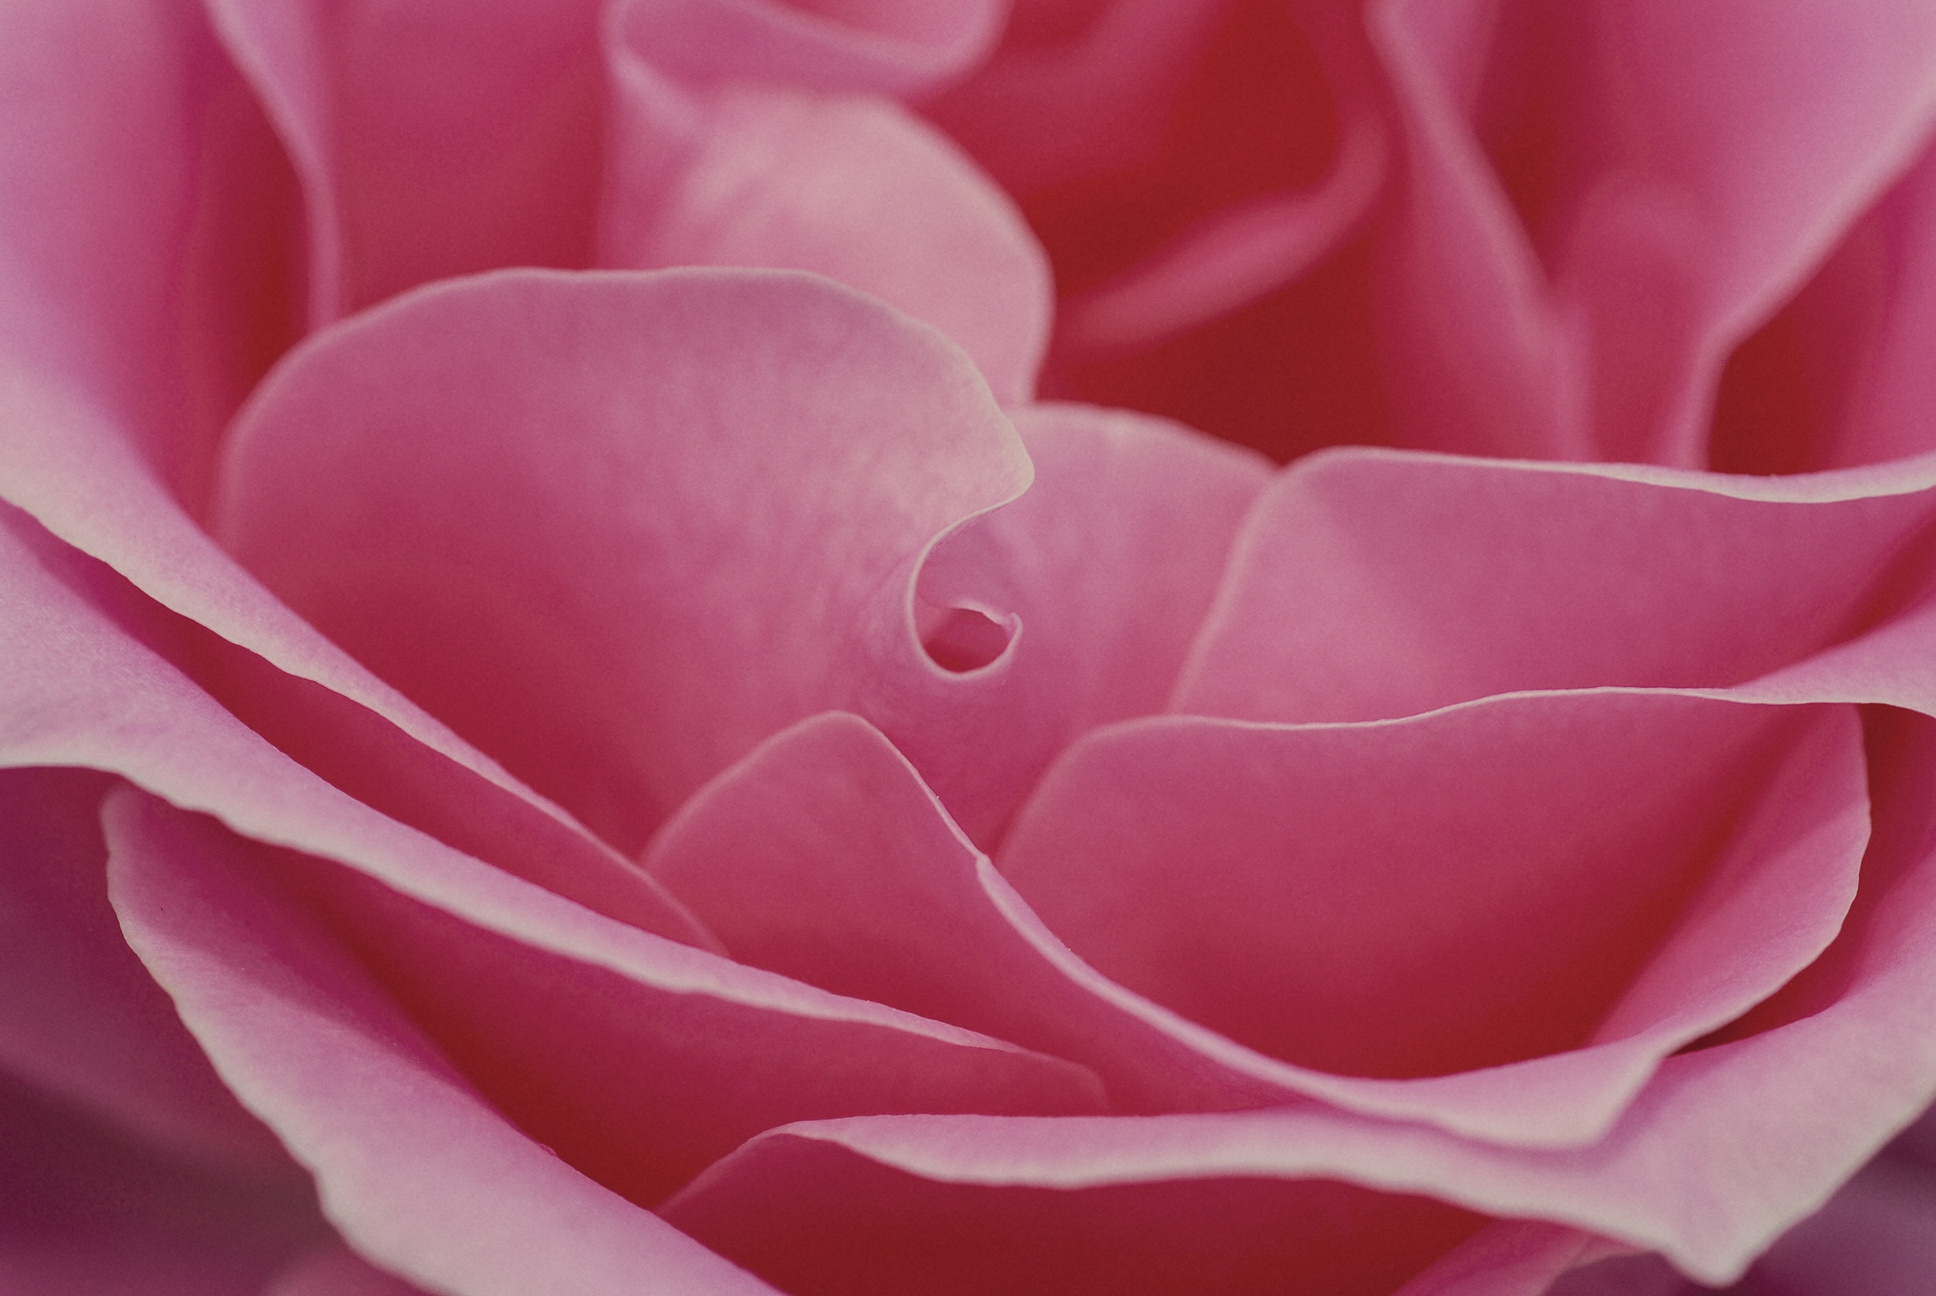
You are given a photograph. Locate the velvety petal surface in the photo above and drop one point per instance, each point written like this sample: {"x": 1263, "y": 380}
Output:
{"x": 145, "y": 261}
{"x": 431, "y": 139}
{"x": 1106, "y": 565}
{"x": 898, "y": 47}
{"x": 509, "y": 976}
{"x": 1595, "y": 217}
{"x": 1510, "y": 1258}
{"x": 1721, "y": 1151}
{"x": 83, "y": 1210}
{"x": 708, "y": 166}
{"x": 822, "y": 856}
{"x": 1534, "y": 899}
{"x": 864, "y": 1228}
{"x": 79, "y": 1016}
{"x": 1877, "y": 1236}
{"x": 408, "y": 1159}
{"x": 1838, "y": 376}
{"x": 1369, "y": 584}
{"x": 638, "y": 523}
{"x": 146, "y": 288}
{"x": 334, "y": 1270}
{"x": 1183, "y": 163}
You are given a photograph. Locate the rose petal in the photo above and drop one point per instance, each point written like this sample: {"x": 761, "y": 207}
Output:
{"x": 1647, "y": 869}
{"x": 850, "y": 187}
{"x": 472, "y": 948}
{"x": 62, "y": 594}
{"x": 1232, "y": 258}
{"x": 1369, "y": 584}
{"x": 433, "y": 139}
{"x": 1180, "y": 160}
{"x": 822, "y": 856}
{"x": 79, "y": 1016}
{"x": 145, "y": 268}
{"x": 1876, "y": 1236}
{"x": 84, "y": 1210}
{"x": 870, "y": 1230}
{"x": 1723, "y": 1150}
{"x": 1683, "y": 206}
{"x": 1510, "y": 1258}
{"x": 410, "y": 1162}
{"x": 714, "y": 535}
{"x": 335, "y": 1270}
{"x": 895, "y": 47}
{"x": 1108, "y": 564}
{"x": 1838, "y": 377}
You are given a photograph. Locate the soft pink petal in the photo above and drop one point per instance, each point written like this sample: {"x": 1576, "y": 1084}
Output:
{"x": 79, "y": 1015}
{"x": 707, "y": 168}
{"x": 409, "y": 1160}
{"x": 1369, "y": 584}
{"x": 432, "y": 139}
{"x": 145, "y": 250}
{"x": 512, "y": 976}
{"x": 862, "y": 1228}
{"x": 82, "y": 1210}
{"x": 66, "y": 460}
{"x": 822, "y": 856}
{"x": 714, "y": 534}
{"x": 1646, "y": 869}
{"x": 1107, "y": 563}
{"x": 1840, "y": 376}
{"x": 1723, "y": 1150}
{"x": 895, "y": 47}
{"x": 86, "y": 620}
{"x": 1668, "y": 207}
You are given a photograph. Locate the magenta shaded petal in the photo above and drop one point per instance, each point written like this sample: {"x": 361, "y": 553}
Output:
{"x": 1648, "y": 867}
{"x": 708, "y": 168}
{"x": 1838, "y": 376}
{"x": 1232, "y": 258}
{"x": 79, "y": 1015}
{"x": 1723, "y": 1150}
{"x": 1667, "y": 208}
{"x": 1875, "y": 1237}
{"x": 432, "y": 139}
{"x": 1108, "y": 563}
{"x": 1077, "y": 89}
{"x": 1511, "y": 1258}
{"x": 822, "y": 856}
{"x": 409, "y": 1160}
{"x": 89, "y": 631}
{"x": 89, "y": 696}
{"x": 715, "y": 534}
{"x": 1369, "y": 584}
{"x": 84, "y": 1210}
{"x": 862, "y": 1228}
{"x": 895, "y": 47}
{"x": 145, "y": 258}
{"x": 334, "y": 1270}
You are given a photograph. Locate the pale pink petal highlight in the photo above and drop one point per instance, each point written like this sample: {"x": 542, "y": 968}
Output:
{"x": 1369, "y": 584}
{"x": 717, "y": 169}
{"x": 639, "y": 521}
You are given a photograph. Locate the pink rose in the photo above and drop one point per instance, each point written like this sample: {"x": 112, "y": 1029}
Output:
{"x": 598, "y": 777}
